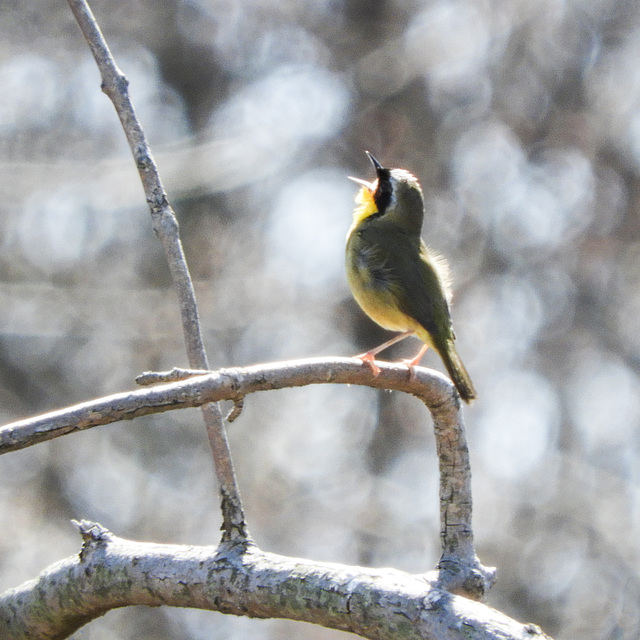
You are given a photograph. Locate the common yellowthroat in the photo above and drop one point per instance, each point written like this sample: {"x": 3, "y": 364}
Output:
{"x": 396, "y": 280}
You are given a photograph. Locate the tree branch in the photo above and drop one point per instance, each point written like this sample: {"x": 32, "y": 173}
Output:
{"x": 374, "y": 603}
{"x": 460, "y": 569}
{"x": 165, "y": 225}
{"x": 237, "y": 577}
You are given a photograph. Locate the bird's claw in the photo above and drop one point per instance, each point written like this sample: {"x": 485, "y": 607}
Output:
{"x": 369, "y": 358}
{"x": 411, "y": 365}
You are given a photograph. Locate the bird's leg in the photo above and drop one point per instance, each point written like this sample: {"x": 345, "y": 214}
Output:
{"x": 415, "y": 360}
{"x": 369, "y": 356}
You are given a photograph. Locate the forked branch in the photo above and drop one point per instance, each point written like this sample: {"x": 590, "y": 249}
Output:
{"x": 237, "y": 577}
{"x": 460, "y": 570}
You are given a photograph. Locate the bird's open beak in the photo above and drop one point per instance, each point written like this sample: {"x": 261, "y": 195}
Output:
{"x": 372, "y": 186}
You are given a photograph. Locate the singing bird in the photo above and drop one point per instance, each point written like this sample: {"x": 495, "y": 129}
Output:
{"x": 397, "y": 281}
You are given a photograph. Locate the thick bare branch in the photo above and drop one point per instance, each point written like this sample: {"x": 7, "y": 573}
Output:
{"x": 374, "y": 603}
{"x": 165, "y": 225}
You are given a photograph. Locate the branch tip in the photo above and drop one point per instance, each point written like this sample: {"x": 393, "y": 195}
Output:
{"x": 91, "y": 531}
{"x": 238, "y": 405}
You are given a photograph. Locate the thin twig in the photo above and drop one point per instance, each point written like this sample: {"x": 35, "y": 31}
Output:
{"x": 165, "y": 225}
{"x": 238, "y": 406}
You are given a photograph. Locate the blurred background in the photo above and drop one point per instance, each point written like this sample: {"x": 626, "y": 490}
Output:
{"x": 522, "y": 121}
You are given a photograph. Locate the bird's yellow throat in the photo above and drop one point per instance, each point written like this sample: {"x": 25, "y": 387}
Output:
{"x": 366, "y": 204}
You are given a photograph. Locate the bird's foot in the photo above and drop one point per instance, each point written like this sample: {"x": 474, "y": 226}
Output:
{"x": 369, "y": 358}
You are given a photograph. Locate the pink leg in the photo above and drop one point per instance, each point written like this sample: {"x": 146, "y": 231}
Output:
{"x": 415, "y": 360}
{"x": 369, "y": 356}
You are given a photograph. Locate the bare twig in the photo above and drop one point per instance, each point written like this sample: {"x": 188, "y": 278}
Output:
{"x": 460, "y": 569}
{"x": 238, "y": 406}
{"x": 373, "y": 603}
{"x": 165, "y": 225}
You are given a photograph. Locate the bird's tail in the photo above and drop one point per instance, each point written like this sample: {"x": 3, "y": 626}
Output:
{"x": 457, "y": 371}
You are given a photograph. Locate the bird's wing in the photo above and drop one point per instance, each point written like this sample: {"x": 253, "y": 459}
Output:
{"x": 426, "y": 279}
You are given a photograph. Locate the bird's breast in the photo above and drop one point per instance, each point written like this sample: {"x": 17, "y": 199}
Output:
{"x": 374, "y": 285}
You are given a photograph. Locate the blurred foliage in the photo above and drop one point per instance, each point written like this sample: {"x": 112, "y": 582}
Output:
{"x": 522, "y": 120}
